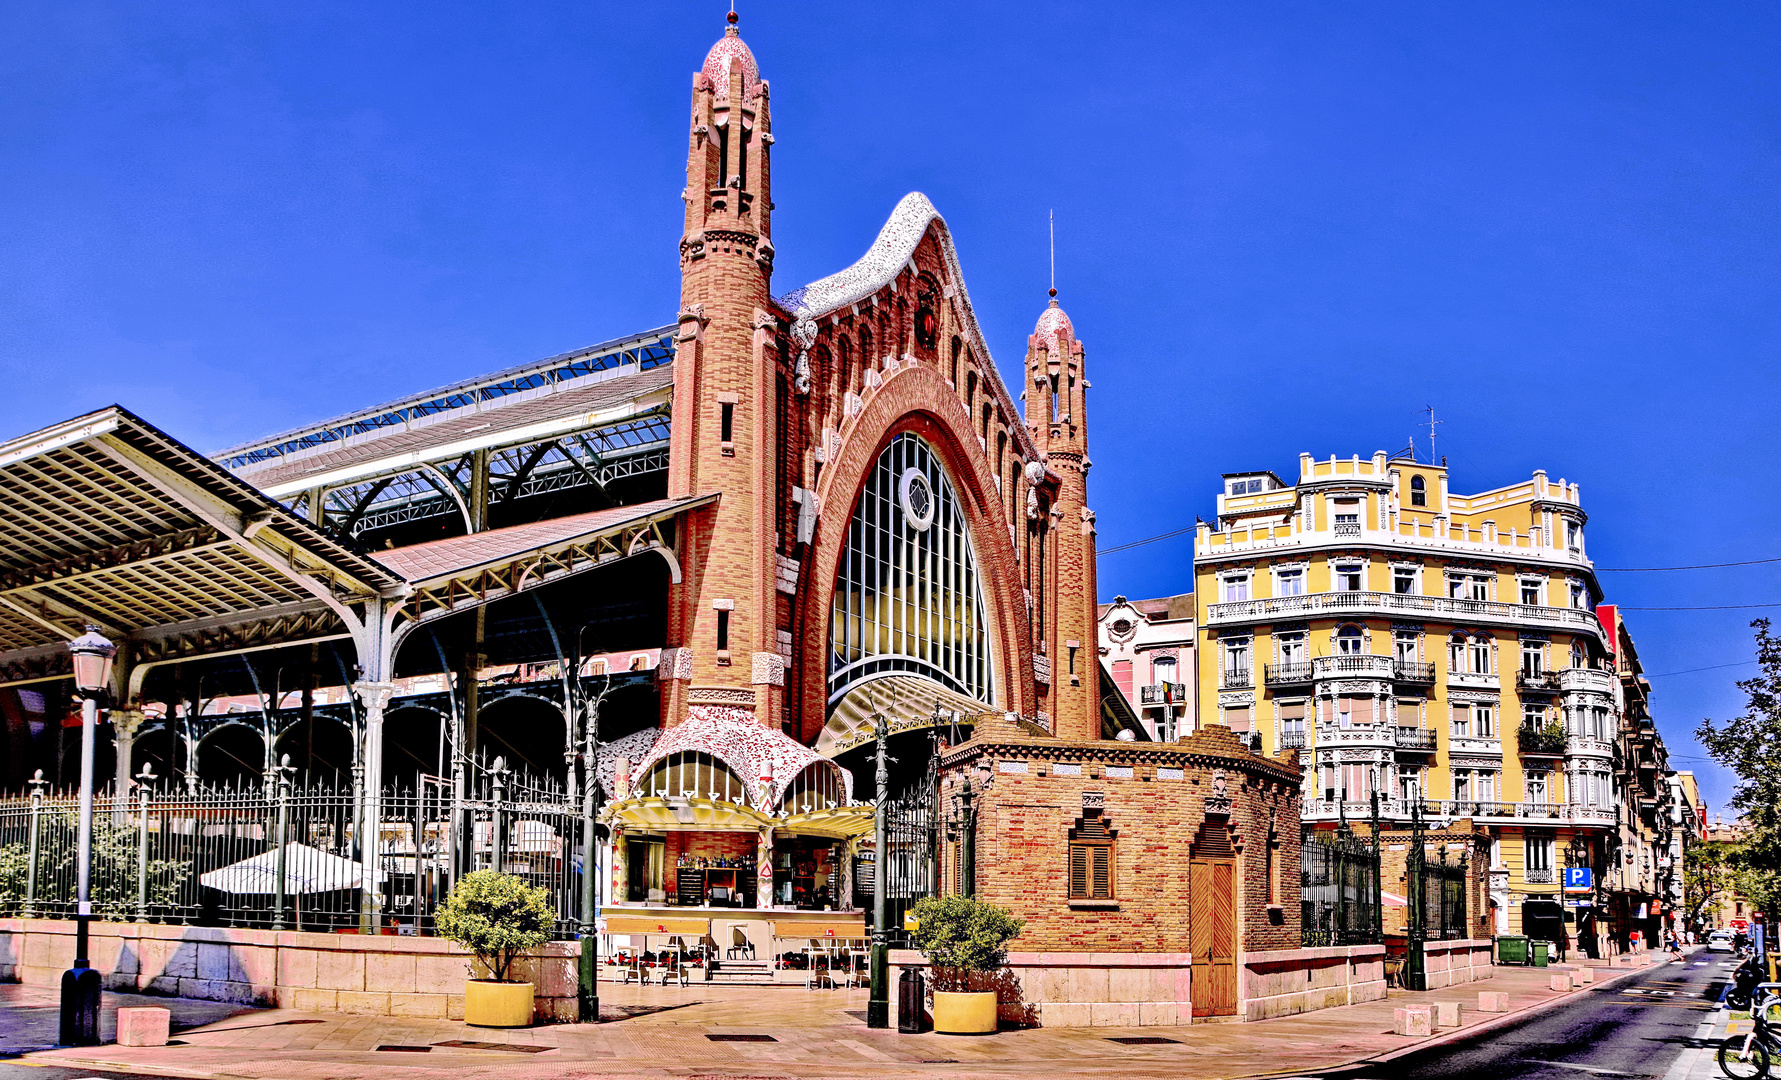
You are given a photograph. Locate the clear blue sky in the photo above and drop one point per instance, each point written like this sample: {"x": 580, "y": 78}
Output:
{"x": 1281, "y": 227}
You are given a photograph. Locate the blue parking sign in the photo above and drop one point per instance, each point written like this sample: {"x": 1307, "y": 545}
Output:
{"x": 1579, "y": 879}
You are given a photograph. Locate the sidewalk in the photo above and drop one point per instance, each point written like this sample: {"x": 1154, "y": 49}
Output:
{"x": 678, "y": 1032}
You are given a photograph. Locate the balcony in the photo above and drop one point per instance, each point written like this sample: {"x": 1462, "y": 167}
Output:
{"x": 1548, "y": 741}
{"x": 1504, "y": 813}
{"x": 1573, "y": 680}
{"x": 1538, "y": 875}
{"x": 1347, "y": 529}
{"x": 1387, "y": 605}
{"x": 1163, "y": 694}
{"x": 1234, "y": 679}
{"x": 1409, "y": 671}
{"x": 1288, "y": 674}
{"x": 1292, "y": 740}
{"x": 1358, "y": 735}
{"x": 1410, "y": 738}
{"x": 1544, "y": 682}
{"x": 1583, "y": 746}
{"x": 1351, "y": 666}
{"x": 1476, "y": 680}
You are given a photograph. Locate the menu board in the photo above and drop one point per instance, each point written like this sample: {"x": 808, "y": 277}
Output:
{"x": 689, "y": 887}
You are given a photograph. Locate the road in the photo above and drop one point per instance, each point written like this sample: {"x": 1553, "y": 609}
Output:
{"x": 1634, "y": 1029}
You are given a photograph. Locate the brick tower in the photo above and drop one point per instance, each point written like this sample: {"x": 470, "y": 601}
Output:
{"x": 1056, "y": 410}
{"x": 721, "y": 627}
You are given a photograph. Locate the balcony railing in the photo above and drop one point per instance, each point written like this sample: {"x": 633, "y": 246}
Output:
{"x": 1538, "y": 875}
{"x": 1583, "y": 746}
{"x": 1288, "y": 674}
{"x": 1233, "y": 679}
{"x": 1292, "y": 740}
{"x": 1409, "y": 671}
{"x": 1347, "y": 528}
{"x": 1496, "y": 812}
{"x": 1387, "y": 604}
{"x": 1410, "y": 738}
{"x": 1548, "y": 741}
{"x": 1163, "y": 694}
{"x": 1359, "y": 734}
{"x": 1351, "y": 665}
{"x": 1544, "y": 681}
{"x": 1573, "y": 679}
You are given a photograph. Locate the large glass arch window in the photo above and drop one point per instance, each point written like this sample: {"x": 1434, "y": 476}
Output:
{"x": 695, "y": 775}
{"x": 907, "y": 594}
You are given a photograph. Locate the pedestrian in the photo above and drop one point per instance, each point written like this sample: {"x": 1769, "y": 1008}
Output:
{"x": 1675, "y": 949}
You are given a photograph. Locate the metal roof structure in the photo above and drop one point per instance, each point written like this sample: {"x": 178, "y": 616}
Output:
{"x": 110, "y": 521}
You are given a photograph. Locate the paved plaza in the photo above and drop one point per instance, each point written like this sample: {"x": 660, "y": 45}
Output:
{"x": 792, "y": 1032}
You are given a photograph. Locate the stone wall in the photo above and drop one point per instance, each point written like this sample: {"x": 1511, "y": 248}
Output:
{"x": 1287, "y": 981}
{"x": 1451, "y": 963}
{"x": 346, "y": 973}
{"x": 1083, "y": 989}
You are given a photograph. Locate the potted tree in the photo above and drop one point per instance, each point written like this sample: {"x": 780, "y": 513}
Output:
{"x": 966, "y": 943}
{"x": 496, "y": 916}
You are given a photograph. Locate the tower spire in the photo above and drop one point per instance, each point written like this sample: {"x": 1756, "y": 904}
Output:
{"x": 1052, "y": 216}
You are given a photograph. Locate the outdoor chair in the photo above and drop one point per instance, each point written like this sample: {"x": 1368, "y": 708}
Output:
{"x": 740, "y": 946}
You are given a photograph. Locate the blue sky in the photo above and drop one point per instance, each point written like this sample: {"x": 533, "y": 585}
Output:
{"x": 1281, "y": 227}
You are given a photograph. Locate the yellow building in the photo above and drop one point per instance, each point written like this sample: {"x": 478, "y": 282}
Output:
{"x": 1421, "y": 644}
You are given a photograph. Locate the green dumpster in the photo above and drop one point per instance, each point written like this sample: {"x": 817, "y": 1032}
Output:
{"x": 1512, "y": 950}
{"x": 1541, "y": 950}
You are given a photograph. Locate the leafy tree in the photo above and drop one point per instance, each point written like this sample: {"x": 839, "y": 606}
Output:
{"x": 1706, "y": 879}
{"x": 1750, "y": 746}
{"x": 963, "y": 938}
{"x": 496, "y": 916}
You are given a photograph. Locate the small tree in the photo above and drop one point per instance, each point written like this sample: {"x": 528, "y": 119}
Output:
{"x": 1705, "y": 877}
{"x": 963, "y": 938}
{"x": 1750, "y": 746}
{"x": 496, "y": 916}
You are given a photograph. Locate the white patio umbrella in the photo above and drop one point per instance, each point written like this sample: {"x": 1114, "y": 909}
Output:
{"x": 306, "y": 870}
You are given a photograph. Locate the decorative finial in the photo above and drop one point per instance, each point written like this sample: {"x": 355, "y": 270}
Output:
{"x": 1051, "y": 217}
{"x": 732, "y": 17}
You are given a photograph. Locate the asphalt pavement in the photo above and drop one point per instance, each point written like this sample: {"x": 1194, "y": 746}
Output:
{"x": 1633, "y": 1030}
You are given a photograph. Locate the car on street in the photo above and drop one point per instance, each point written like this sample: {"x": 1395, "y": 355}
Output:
{"x": 1719, "y": 941}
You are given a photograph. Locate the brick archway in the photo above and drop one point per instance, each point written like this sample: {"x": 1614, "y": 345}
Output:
{"x": 914, "y": 399}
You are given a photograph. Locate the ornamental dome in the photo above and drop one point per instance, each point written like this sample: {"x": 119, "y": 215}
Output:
{"x": 731, "y": 49}
{"x": 1051, "y": 322}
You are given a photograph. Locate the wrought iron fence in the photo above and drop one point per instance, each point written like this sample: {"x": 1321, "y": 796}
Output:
{"x": 1443, "y": 896}
{"x": 217, "y": 857}
{"x": 1339, "y": 882}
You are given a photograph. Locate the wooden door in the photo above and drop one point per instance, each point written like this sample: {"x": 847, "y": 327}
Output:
{"x": 1212, "y": 911}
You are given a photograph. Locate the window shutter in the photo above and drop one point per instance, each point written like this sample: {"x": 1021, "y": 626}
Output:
{"x": 1078, "y": 871}
{"x": 1103, "y": 884}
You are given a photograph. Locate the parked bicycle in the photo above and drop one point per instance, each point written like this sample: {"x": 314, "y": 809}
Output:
{"x": 1748, "y": 1056}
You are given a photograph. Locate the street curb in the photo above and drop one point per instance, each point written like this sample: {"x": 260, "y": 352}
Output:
{"x": 1505, "y": 1020}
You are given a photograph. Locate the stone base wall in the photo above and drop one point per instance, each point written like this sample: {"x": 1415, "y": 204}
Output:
{"x": 1452, "y": 963}
{"x": 1287, "y": 981}
{"x": 1086, "y": 989}
{"x": 345, "y": 973}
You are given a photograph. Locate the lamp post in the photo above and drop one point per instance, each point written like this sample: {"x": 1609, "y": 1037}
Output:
{"x": 1415, "y": 969}
{"x": 878, "y": 1004}
{"x": 92, "y": 656}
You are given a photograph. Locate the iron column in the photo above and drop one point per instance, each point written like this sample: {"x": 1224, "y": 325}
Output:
{"x": 878, "y": 1005}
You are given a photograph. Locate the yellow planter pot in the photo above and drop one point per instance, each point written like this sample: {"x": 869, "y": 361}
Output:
{"x": 964, "y": 1014}
{"x": 497, "y": 1004}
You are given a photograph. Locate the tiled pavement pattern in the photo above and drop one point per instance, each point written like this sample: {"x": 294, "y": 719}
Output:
{"x": 815, "y": 1034}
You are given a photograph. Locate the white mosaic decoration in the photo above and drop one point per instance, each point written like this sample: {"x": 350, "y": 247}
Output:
{"x": 631, "y": 748}
{"x": 752, "y": 752}
{"x": 767, "y": 669}
{"x": 676, "y": 663}
{"x": 730, "y": 49}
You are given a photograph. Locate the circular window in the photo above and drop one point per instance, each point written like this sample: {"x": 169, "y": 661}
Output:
{"x": 917, "y": 496}
{"x": 1122, "y": 626}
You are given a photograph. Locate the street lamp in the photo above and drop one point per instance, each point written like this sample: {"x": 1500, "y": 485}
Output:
{"x": 92, "y": 656}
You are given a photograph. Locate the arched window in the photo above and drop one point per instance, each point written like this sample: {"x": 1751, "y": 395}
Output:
{"x": 818, "y": 787}
{"x": 1468, "y": 652}
{"x": 1418, "y": 492}
{"x": 1349, "y": 641}
{"x": 694, "y": 774}
{"x": 907, "y": 596}
{"x": 1579, "y": 655}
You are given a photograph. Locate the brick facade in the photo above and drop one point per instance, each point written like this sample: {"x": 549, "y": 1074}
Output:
{"x": 1038, "y": 786}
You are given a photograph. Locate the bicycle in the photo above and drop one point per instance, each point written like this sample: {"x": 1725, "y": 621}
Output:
{"x": 1747, "y": 1057}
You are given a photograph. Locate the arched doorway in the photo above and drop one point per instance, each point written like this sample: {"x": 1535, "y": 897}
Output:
{"x": 413, "y": 743}
{"x": 528, "y": 731}
{"x": 320, "y": 750}
{"x": 232, "y": 754}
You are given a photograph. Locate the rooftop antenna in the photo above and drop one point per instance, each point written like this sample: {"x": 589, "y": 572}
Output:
{"x": 1051, "y": 216}
{"x": 1433, "y": 457}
